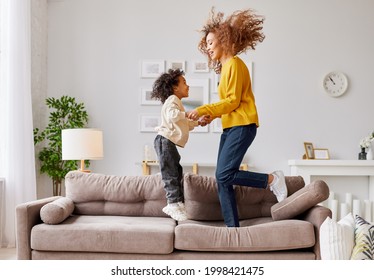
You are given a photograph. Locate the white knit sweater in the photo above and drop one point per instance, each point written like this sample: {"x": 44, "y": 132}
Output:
{"x": 175, "y": 126}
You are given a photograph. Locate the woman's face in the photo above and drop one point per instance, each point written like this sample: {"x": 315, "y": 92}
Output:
{"x": 214, "y": 48}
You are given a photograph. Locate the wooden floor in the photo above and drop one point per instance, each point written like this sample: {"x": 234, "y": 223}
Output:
{"x": 8, "y": 254}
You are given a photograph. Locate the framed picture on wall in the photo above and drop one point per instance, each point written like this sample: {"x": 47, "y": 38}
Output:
{"x": 152, "y": 68}
{"x": 309, "y": 150}
{"x": 148, "y": 123}
{"x": 215, "y": 80}
{"x": 177, "y": 64}
{"x": 200, "y": 67}
{"x": 198, "y": 95}
{"x": 250, "y": 69}
{"x": 217, "y": 125}
{"x": 145, "y": 97}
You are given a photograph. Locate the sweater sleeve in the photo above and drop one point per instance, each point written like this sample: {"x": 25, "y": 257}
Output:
{"x": 192, "y": 124}
{"x": 174, "y": 113}
{"x": 231, "y": 91}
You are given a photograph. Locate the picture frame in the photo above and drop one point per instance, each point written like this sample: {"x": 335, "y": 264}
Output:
{"x": 200, "y": 67}
{"x": 177, "y": 64}
{"x": 250, "y": 69}
{"x": 148, "y": 123}
{"x": 215, "y": 80}
{"x": 152, "y": 68}
{"x": 145, "y": 97}
{"x": 198, "y": 95}
{"x": 309, "y": 150}
{"x": 321, "y": 153}
{"x": 217, "y": 125}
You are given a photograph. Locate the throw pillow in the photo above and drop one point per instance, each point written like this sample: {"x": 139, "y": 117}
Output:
{"x": 57, "y": 211}
{"x": 300, "y": 201}
{"x": 337, "y": 238}
{"x": 364, "y": 239}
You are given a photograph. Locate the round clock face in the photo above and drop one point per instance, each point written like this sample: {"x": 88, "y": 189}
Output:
{"x": 335, "y": 83}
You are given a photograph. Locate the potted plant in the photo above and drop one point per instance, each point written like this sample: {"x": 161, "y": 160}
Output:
{"x": 65, "y": 113}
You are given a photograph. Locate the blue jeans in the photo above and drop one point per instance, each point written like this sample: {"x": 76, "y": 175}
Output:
{"x": 234, "y": 143}
{"x": 171, "y": 170}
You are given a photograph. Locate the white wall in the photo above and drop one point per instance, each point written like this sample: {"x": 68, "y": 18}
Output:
{"x": 95, "y": 48}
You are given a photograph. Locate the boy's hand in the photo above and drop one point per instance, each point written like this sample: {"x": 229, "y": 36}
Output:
{"x": 204, "y": 120}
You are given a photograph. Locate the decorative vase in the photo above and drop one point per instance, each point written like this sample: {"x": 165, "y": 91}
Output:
{"x": 362, "y": 155}
{"x": 369, "y": 153}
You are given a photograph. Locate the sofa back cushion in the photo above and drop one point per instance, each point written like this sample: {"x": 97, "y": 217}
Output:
{"x": 202, "y": 203}
{"x": 98, "y": 194}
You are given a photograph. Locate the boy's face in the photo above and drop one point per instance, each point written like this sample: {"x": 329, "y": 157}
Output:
{"x": 181, "y": 90}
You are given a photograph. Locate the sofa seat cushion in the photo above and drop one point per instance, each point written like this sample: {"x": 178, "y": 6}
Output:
{"x": 259, "y": 234}
{"x": 114, "y": 234}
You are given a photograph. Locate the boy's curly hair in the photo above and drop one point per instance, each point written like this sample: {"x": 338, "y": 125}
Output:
{"x": 238, "y": 33}
{"x": 163, "y": 86}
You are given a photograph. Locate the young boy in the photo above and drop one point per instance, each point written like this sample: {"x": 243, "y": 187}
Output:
{"x": 170, "y": 88}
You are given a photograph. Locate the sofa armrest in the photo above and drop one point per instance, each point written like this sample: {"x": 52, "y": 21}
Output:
{"x": 27, "y": 216}
{"x": 316, "y": 216}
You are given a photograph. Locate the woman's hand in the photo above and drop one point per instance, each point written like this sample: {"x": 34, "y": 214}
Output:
{"x": 204, "y": 120}
{"x": 193, "y": 115}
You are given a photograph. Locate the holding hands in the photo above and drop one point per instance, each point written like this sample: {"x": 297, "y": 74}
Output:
{"x": 203, "y": 120}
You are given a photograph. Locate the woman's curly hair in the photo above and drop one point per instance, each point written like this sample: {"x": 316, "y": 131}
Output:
{"x": 163, "y": 86}
{"x": 237, "y": 33}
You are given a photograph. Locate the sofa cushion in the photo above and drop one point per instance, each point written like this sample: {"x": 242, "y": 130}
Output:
{"x": 337, "y": 238}
{"x": 57, "y": 211}
{"x": 202, "y": 203}
{"x": 260, "y": 234}
{"x": 98, "y": 194}
{"x": 364, "y": 240}
{"x": 300, "y": 201}
{"x": 115, "y": 234}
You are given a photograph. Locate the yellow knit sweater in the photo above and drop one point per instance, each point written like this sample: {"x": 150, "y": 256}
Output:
{"x": 237, "y": 102}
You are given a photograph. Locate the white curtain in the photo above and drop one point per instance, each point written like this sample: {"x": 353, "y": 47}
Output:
{"x": 17, "y": 160}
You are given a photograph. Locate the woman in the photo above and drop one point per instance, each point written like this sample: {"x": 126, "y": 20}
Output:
{"x": 223, "y": 39}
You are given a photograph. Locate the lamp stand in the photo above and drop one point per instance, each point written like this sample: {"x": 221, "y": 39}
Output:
{"x": 82, "y": 167}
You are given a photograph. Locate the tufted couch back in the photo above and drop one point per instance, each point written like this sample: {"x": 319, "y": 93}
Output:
{"x": 202, "y": 203}
{"x": 98, "y": 194}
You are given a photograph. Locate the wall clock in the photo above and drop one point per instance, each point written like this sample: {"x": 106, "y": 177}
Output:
{"x": 335, "y": 83}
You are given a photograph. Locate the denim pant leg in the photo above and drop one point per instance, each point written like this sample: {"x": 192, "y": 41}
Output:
{"x": 171, "y": 170}
{"x": 234, "y": 144}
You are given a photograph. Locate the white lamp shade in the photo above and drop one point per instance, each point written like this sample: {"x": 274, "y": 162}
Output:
{"x": 82, "y": 144}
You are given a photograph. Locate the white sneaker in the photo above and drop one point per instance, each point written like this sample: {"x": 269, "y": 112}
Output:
{"x": 278, "y": 186}
{"x": 176, "y": 212}
{"x": 181, "y": 205}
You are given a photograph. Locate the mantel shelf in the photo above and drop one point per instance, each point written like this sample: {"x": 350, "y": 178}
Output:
{"x": 309, "y": 168}
{"x": 314, "y": 162}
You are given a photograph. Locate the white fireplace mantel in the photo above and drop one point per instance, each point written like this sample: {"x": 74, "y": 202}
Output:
{"x": 309, "y": 168}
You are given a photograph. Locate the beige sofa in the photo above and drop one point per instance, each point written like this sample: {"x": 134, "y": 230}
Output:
{"x": 120, "y": 217}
